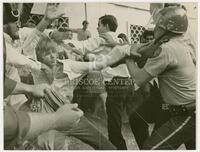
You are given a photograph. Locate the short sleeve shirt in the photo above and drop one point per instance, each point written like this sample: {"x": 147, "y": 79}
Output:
{"x": 176, "y": 72}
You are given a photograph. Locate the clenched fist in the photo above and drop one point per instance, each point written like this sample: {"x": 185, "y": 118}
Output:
{"x": 67, "y": 117}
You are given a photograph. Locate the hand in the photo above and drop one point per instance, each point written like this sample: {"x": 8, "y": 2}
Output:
{"x": 48, "y": 72}
{"x": 134, "y": 50}
{"x": 150, "y": 50}
{"x": 110, "y": 42}
{"x": 101, "y": 62}
{"x": 51, "y": 12}
{"x": 38, "y": 90}
{"x": 67, "y": 117}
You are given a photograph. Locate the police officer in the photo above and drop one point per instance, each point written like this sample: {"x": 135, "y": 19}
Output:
{"x": 172, "y": 63}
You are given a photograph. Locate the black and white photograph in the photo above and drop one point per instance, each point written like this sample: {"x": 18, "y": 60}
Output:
{"x": 99, "y": 75}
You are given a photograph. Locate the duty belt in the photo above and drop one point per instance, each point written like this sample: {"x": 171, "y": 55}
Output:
{"x": 180, "y": 109}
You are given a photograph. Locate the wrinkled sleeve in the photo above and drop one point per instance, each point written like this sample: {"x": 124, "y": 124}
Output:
{"x": 156, "y": 65}
{"x": 75, "y": 69}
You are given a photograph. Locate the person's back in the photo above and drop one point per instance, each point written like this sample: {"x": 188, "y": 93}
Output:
{"x": 178, "y": 81}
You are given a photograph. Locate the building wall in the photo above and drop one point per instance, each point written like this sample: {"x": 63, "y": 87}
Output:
{"x": 126, "y": 14}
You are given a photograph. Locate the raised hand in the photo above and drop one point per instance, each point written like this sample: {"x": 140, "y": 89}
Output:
{"x": 51, "y": 12}
{"x": 48, "y": 72}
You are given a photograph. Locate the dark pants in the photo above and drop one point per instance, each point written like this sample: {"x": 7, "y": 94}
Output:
{"x": 119, "y": 91}
{"x": 170, "y": 131}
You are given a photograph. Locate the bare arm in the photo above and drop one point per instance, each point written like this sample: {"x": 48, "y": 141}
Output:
{"x": 74, "y": 30}
{"x": 28, "y": 125}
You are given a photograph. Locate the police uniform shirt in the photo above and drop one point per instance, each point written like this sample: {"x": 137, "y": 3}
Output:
{"x": 176, "y": 72}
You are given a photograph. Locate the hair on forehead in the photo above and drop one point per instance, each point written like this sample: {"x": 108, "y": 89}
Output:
{"x": 110, "y": 20}
{"x": 44, "y": 45}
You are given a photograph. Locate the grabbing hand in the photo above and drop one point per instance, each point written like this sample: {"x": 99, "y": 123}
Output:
{"x": 150, "y": 50}
{"x": 67, "y": 116}
{"x": 38, "y": 90}
{"x": 48, "y": 72}
{"x": 51, "y": 12}
{"x": 110, "y": 42}
{"x": 134, "y": 50}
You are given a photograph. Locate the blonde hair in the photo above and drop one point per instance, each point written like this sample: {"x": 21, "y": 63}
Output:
{"x": 44, "y": 45}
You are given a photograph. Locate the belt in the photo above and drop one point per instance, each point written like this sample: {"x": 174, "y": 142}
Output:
{"x": 187, "y": 109}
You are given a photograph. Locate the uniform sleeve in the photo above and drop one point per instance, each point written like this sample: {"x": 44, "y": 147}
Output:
{"x": 156, "y": 65}
{"x": 9, "y": 86}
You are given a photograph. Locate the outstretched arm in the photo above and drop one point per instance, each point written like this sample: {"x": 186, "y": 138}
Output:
{"x": 28, "y": 125}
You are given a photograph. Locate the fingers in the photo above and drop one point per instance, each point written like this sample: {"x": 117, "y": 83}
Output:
{"x": 74, "y": 108}
{"x": 79, "y": 113}
{"x": 73, "y": 105}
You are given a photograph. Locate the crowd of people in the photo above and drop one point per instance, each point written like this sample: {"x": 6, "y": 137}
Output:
{"x": 46, "y": 71}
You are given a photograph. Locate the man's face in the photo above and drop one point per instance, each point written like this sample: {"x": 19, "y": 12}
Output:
{"x": 85, "y": 25}
{"x": 101, "y": 28}
{"x": 69, "y": 35}
{"x": 49, "y": 57}
{"x": 13, "y": 30}
{"x": 58, "y": 36}
{"x": 158, "y": 32}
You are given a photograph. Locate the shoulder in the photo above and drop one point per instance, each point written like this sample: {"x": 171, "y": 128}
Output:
{"x": 168, "y": 47}
{"x": 79, "y": 30}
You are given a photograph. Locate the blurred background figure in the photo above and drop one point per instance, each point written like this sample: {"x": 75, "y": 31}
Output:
{"x": 124, "y": 38}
